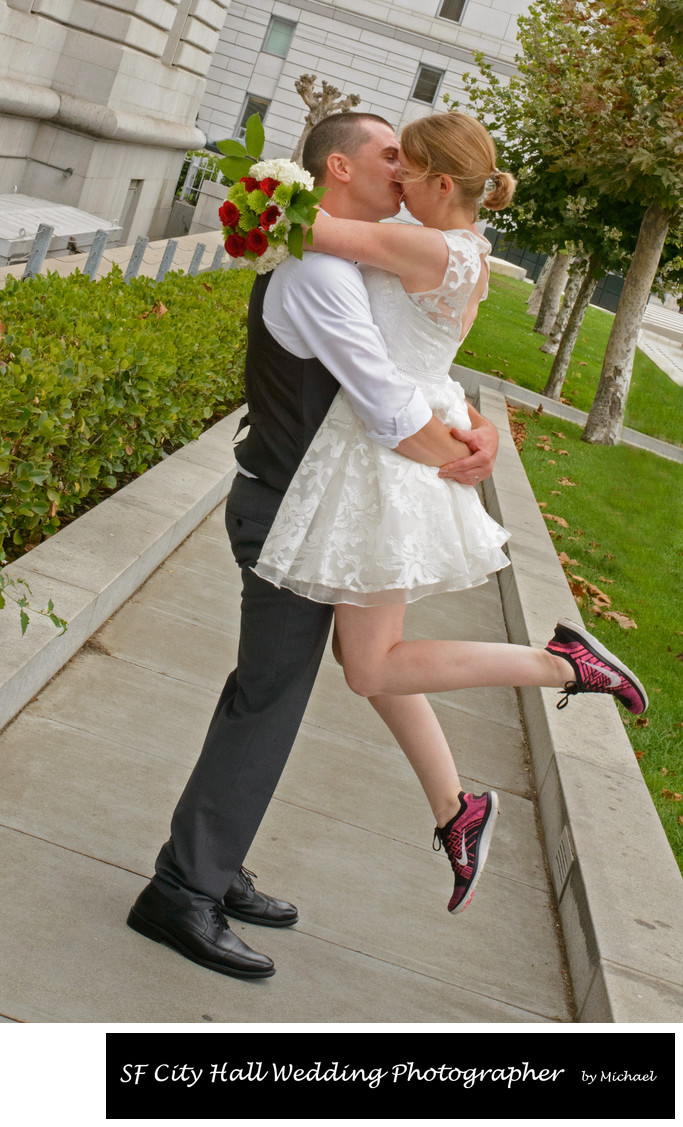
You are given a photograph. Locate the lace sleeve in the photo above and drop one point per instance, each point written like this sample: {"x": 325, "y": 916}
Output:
{"x": 446, "y": 304}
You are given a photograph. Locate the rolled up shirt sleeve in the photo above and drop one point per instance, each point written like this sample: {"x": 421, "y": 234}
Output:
{"x": 320, "y": 307}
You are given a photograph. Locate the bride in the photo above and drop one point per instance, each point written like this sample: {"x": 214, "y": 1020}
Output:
{"x": 369, "y": 531}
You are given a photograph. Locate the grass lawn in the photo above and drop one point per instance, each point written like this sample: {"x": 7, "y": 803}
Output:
{"x": 624, "y": 535}
{"x": 502, "y": 343}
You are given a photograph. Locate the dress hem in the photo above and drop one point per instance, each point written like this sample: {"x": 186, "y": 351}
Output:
{"x": 319, "y": 593}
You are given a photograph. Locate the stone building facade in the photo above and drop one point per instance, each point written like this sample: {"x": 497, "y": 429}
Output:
{"x": 99, "y": 99}
{"x": 399, "y": 58}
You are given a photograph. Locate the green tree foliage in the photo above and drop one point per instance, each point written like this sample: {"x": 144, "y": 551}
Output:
{"x": 592, "y": 126}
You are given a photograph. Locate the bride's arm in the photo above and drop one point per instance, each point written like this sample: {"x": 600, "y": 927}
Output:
{"x": 419, "y": 255}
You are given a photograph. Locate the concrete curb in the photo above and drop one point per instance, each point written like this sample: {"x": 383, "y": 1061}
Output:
{"x": 92, "y": 567}
{"x": 604, "y": 839}
{"x": 521, "y": 397}
{"x": 616, "y": 880}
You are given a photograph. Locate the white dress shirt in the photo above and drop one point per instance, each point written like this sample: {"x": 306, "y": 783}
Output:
{"x": 319, "y": 308}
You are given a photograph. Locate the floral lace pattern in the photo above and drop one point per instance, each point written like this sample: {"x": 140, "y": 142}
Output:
{"x": 362, "y": 524}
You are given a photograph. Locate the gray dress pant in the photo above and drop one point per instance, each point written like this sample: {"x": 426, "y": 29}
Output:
{"x": 282, "y": 639}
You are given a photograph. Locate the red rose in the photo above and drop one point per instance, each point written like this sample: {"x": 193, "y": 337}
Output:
{"x": 269, "y": 185}
{"x": 229, "y": 214}
{"x": 257, "y": 241}
{"x": 235, "y": 246}
{"x": 249, "y": 183}
{"x": 269, "y": 217}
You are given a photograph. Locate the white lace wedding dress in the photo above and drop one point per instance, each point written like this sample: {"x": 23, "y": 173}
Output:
{"x": 362, "y": 524}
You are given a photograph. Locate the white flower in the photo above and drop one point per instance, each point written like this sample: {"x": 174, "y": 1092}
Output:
{"x": 286, "y": 171}
{"x": 268, "y": 261}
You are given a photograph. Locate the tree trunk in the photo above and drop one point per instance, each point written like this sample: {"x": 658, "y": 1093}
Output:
{"x": 606, "y": 416}
{"x": 534, "y": 303}
{"x": 552, "y": 292}
{"x": 576, "y": 276}
{"x": 558, "y": 372}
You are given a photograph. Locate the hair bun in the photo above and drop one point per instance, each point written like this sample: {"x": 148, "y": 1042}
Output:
{"x": 499, "y": 190}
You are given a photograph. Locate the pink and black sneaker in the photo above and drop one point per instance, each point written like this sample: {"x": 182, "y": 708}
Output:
{"x": 597, "y": 670}
{"x": 466, "y": 839}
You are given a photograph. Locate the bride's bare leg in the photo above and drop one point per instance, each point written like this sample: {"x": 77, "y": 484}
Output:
{"x": 412, "y": 722}
{"x": 417, "y": 731}
{"x": 378, "y": 662}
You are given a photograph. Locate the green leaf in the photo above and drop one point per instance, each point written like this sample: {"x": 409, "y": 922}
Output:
{"x": 295, "y": 216}
{"x": 231, "y": 149}
{"x": 234, "y": 168}
{"x": 255, "y": 137}
{"x": 295, "y": 242}
{"x": 24, "y": 621}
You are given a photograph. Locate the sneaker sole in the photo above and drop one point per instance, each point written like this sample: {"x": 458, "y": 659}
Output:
{"x": 582, "y": 635}
{"x": 482, "y": 853}
{"x": 153, "y": 931}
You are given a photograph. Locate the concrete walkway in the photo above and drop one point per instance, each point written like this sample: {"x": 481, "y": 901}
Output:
{"x": 93, "y": 764}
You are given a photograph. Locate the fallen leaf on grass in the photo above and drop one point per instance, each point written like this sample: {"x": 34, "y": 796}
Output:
{"x": 622, "y": 620}
{"x": 496, "y": 372}
{"x": 566, "y": 480}
{"x": 640, "y": 754}
{"x": 558, "y": 520}
{"x": 679, "y": 657}
{"x": 542, "y": 504}
{"x": 556, "y": 492}
{"x": 642, "y": 722}
{"x": 564, "y": 559}
{"x": 604, "y": 579}
{"x": 671, "y": 794}
{"x": 559, "y": 434}
{"x": 543, "y": 446}
{"x": 551, "y": 462}
{"x": 207, "y": 287}
{"x": 563, "y": 452}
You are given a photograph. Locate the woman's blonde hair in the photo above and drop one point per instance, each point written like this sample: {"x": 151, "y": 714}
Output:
{"x": 457, "y": 145}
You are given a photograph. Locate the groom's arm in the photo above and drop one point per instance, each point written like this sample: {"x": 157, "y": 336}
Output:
{"x": 320, "y": 308}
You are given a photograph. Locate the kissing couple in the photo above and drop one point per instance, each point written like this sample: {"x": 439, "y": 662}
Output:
{"x": 355, "y": 495}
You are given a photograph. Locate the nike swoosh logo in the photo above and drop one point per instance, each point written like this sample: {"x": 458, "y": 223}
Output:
{"x": 614, "y": 678}
{"x": 462, "y": 859}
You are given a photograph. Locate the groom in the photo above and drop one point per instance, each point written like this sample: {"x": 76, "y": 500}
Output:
{"x": 309, "y": 331}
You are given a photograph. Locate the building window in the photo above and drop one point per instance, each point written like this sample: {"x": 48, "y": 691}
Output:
{"x": 452, "y": 10}
{"x": 427, "y": 84}
{"x": 278, "y": 37}
{"x": 251, "y": 106}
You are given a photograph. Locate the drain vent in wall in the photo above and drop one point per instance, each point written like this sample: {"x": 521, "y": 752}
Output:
{"x": 562, "y": 862}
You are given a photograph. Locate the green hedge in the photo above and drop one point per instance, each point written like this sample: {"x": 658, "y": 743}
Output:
{"x": 99, "y": 379}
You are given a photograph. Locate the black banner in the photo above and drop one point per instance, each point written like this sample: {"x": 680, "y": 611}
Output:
{"x": 382, "y": 1076}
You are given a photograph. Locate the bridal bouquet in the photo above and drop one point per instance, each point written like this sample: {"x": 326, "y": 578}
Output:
{"x": 267, "y": 204}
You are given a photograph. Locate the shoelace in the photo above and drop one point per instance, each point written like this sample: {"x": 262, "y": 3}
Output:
{"x": 570, "y": 690}
{"x": 219, "y": 918}
{"x": 247, "y": 874}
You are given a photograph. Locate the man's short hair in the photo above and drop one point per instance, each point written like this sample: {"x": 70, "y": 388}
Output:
{"x": 338, "y": 133}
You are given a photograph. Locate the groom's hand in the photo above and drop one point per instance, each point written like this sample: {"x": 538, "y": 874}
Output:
{"x": 482, "y": 440}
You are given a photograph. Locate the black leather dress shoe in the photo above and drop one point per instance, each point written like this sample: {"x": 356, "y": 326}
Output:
{"x": 244, "y": 902}
{"x": 202, "y": 936}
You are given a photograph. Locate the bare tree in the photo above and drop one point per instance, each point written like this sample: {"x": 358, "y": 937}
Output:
{"x": 320, "y": 104}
